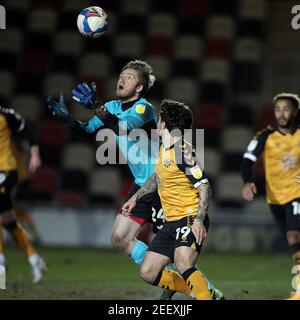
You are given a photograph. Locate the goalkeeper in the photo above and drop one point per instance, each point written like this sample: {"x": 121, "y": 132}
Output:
{"x": 131, "y": 111}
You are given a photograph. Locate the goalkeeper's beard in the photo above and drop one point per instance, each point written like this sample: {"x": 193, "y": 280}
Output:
{"x": 126, "y": 96}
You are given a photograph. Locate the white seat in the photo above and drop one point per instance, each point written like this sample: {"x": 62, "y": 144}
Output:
{"x": 42, "y": 20}
{"x": 161, "y": 24}
{"x": 27, "y": 105}
{"x": 58, "y": 82}
{"x": 219, "y": 26}
{"x": 138, "y": 7}
{"x": 229, "y": 187}
{"x": 236, "y": 139}
{"x": 188, "y": 47}
{"x": 215, "y": 70}
{"x": 248, "y": 50}
{"x": 252, "y": 9}
{"x": 105, "y": 182}
{"x": 161, "y": 66}
{"x": 212, "y": 161}
{"x": 80, "y": 113}
{"x": 128, "y": 45}
{"x": 80, "y": 156}
{"x": 68, "y": 42}
{"x": 183, "y": 89}
{"x": 95, "y": 64}
{"x": 7, "y": 83}
{"x": 11, "y": 40}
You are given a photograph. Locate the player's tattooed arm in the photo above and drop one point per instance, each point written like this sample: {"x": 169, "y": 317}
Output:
{"x": 204, "y": 200}
{"x": 149, "y": 187}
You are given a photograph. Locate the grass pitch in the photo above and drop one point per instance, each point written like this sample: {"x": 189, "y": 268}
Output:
{"x": 110, "y": 275}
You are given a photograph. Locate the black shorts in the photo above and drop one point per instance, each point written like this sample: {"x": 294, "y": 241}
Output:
{"x": 175, "y": 234}
{"x": 147, "y": 209}
{"x": 287, "y": 216}
{"x": 8, "y": 180}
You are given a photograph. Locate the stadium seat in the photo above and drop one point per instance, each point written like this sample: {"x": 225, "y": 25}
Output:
{"x": 236, "y": 139}
{"x": 188, "y": 47}
{"x": 38, "y": 41}
{"x": 64, "y": 63}
{"x": 212, "y": 137}
{"x": 95, "y": 64}
{"x": 209, "y": 116}
{"x": 9, "y": 61}
{"x": 215, "y": 70}
{"x": 251, "y": 28}
{"x": 52, "y": 133}
{"x": 240, "y": 115}
{"x": 248, "y": 49}
{"x": 185, "y": 68}
{"x": 164, "y": 6}
{"x": 232, "y": 161}
{"x": 28, "y": 105}
{"x": 99, "y": 188}
{"x": 74, "y": 180}
{"x": 42, "y": 20}
{"x": 58, "y": 82}
{"x": 184, "y": 90}
{"x": 128, "y": 45}
{"x": 219, "y": 48}
{"x": 266, "y": 116}
{"x": 252, "y": 9}
{"x": 131, "y": 24}
{"x": 228, "y": 7}
{"x": 35, "y": 62}
{"x": 213, "y": 92}
{"x": 68, "y": 43}
{"x": 136, "y": 7}
{"x": 198, "y": 8}
{"x": 79, "y": 156}
{"x": 80, "y": 113}
{"x": 258, "y": 206}
{"x": 161, "y": 24}
{"x": 161, "y": 66}
{"x": 247, "y": 77}
{"x": 44, "y": 183}
{"x": 158, "y": 45}
{"x": 7, "y": 84}
{"x": 71, "y": 198}
{"x": 11, "y": 40}
{"x": 16, "y": 13}
{"x": 191, "y": 26}
{"x": 158, "y": 90}
{"x": 212, "y": 161}
{"x": 228, "y": 190}
{"x": 221, "y": 27}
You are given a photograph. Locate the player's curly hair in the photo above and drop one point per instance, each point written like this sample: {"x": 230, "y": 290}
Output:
{"x": 176, "y": 115}
{"x": 145, "y": 72}
{"x": 293, "y": 98}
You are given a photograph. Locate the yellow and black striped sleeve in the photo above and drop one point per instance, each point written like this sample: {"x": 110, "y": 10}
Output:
{"x": 188, "y": 163}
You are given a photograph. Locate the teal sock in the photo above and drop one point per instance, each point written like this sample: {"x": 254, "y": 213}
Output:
{"x": 138, "y": 252}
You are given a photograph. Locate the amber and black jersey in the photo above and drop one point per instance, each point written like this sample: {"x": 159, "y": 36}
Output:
{"x": 178, "y": 176}
{"x": 12, "y": 123}
{"x": 281, "y": 157}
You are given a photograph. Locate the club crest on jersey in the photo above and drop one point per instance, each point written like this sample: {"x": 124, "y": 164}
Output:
{"x": 140, "y": 108}
{"x": 196, "y": 172}
{"x": 166, "y": 163}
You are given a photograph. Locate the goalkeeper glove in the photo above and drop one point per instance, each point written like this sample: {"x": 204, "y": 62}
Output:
{"x": 86, "y": 95}
{"x": 60, "y": 110}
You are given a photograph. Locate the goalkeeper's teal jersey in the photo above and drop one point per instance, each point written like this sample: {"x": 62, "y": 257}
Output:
{"x": 139, "y": 148}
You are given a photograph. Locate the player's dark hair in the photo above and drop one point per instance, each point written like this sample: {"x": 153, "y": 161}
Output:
{"x": 176, "y": 115}
{"x": 292, "y": 100}
{"x": 145, "y": 72}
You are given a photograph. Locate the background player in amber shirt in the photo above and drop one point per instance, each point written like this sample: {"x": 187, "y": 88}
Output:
{"x": 12, "y": 123}
{"x": 185, "y": 194}
{"x": 279, "y": 146}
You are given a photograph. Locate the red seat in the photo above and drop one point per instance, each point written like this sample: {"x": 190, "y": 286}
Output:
{"x": 52, "y": 133}
{"x": 71, "y": 198}
{"x": 44, "y": 181}
{"x": 36, "y": 62}
{"x": 219, "y": 48}
{"x": 193, "y": 7}
{"x": 210, "y": 116}
{"x": 159, "y": 45}
{"x": 266, "y": 116}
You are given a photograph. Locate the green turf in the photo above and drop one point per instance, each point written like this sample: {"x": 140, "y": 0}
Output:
{"x": 106, "y": 274}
